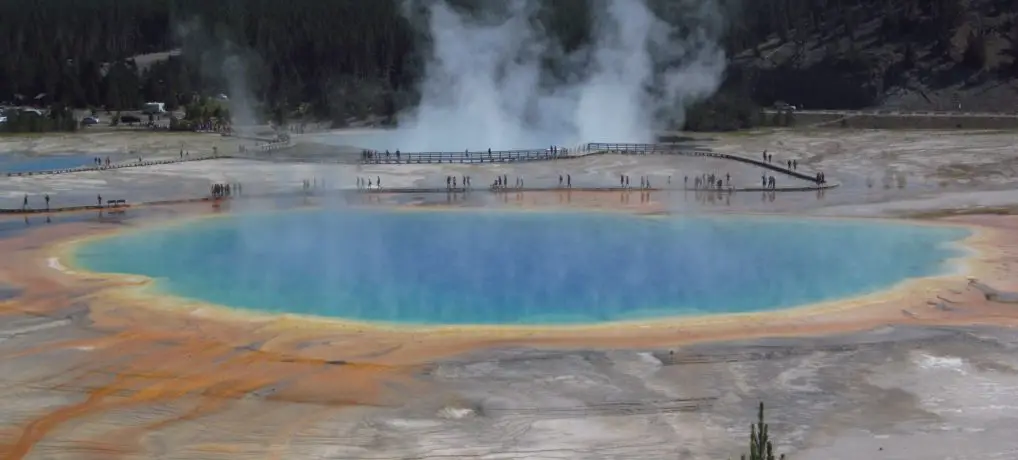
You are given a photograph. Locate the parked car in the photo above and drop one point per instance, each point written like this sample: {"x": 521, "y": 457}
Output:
{"x": 90, "y": 120}
{"x": 130, "y": 119}
{"x": 784, "y": 106}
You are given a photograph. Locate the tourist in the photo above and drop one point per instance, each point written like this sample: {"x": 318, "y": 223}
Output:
{"x": 378, "y": 181}
{"x": 454, "y": 182}
{"x": 99, "y": 200}
{"x": 795, "y": 165}
{"x": 685, "y": 181}
{"x": 728, "y": 179}
{"x": 789, "y": 162}
{"x": 24, "y": 204}
{"x": 622, "y": 180}
{"x": 763, "y": 180}
{"x": 569, "y": 181}
{"x": 448, "y": 182}
{"x": 47, "y": 201}
{"x": 559, "y": 181}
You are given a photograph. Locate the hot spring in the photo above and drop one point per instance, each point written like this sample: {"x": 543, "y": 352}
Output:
{"x": 503, "y": 267}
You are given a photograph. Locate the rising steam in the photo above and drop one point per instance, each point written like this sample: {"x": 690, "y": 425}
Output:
{"x": 487, "y": 84}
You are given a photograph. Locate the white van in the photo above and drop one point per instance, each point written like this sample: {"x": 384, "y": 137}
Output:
{"x": 153, "y": 108}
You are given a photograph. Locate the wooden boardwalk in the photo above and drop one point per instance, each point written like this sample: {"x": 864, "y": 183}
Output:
{"x": 515, "y": 156}
{"x": 431, "y": 190}
{"x": 468, "y": 157}
{"x": 133, "y": 164}
{"x": 408, "y": 191}
{"x": 676, "y": 149}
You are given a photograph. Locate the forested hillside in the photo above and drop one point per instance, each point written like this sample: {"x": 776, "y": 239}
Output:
{"x": 913, "y": 54}
{"x": 351, "y": 58}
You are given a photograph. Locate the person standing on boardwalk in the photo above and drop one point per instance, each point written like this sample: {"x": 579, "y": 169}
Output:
{"x": 24, "y": 204}
{"x": 569, "y": 181}
{"x": 559, "y": 181}
{"x": 99, "y": 200}
{"x": 47, "y": 201}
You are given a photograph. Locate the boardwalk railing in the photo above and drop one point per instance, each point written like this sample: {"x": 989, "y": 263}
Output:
{"x": 892, "y": 112}
{"x": 483, "y": 156}
{"x": 676, "y": 149}
{"x": 269, "y": 147}
{"x": 129, "y": 164}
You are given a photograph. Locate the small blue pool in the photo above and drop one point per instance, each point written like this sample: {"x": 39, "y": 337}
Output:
{"x": 489, "y": 267}
{"x": 24, "y": 164}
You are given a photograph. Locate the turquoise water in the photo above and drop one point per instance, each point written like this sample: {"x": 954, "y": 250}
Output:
{"x": 19, "y": 164}
{"x": 467, "y": 267}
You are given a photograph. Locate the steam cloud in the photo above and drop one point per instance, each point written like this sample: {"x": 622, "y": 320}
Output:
{"x": 222, "y": 61}
{"x": 486, "y": 84}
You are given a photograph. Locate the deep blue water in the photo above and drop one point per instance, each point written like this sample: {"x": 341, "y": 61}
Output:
{"x": 22, "y": 164}
{"x": 481, "y": 267}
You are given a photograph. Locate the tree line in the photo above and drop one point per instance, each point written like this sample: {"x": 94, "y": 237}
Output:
{"x": 346, "y": 58}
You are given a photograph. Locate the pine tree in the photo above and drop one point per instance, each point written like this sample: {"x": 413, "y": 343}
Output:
{"x": 760, "y": 447}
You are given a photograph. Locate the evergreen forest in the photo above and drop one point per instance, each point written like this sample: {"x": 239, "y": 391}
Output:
{"x": 337, "y": 59}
